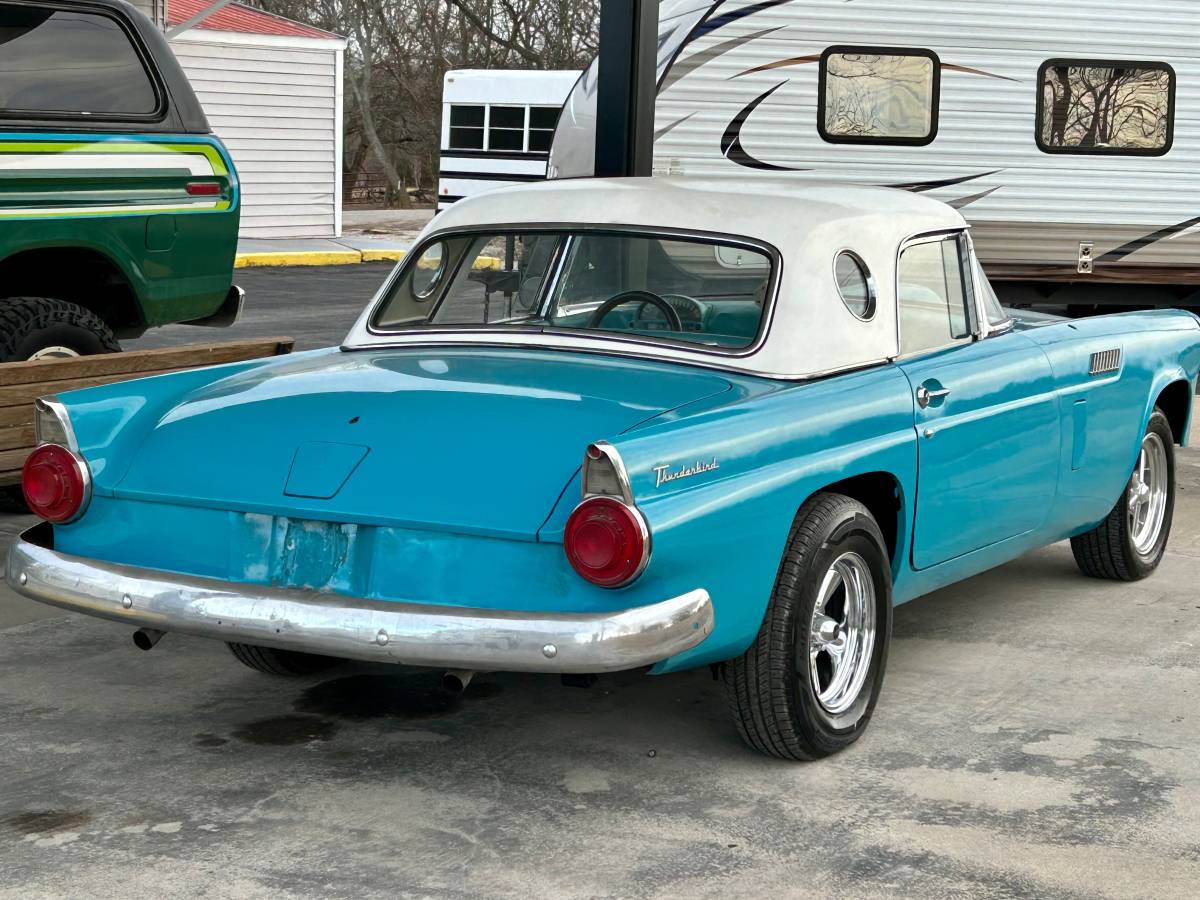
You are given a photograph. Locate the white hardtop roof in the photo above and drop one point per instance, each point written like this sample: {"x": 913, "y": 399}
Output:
{"x": 811, "y": 331}
{"x": 779, "y": 211}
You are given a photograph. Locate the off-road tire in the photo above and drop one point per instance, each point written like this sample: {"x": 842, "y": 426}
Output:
{"x": 775, "y": 708}
{"x": 30, "y": 324}
{"x": 1108, "y": 551}
{"x": 282, "y": 662}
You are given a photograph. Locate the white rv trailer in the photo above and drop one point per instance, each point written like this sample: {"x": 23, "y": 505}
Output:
{"x": 1068, "y": 133}
{"x": 496, "y": 128}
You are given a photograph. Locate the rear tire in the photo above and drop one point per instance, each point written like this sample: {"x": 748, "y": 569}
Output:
{"x": 794, "y": 694}
{"x": 1128, "y": 548}
{"x": 282, "y": 662}
{"x": 38, "y": 327}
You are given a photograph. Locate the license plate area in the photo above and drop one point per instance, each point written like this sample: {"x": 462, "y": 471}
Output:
{"x": 313, "y": 555}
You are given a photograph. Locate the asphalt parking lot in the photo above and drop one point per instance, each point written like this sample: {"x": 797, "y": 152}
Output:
{"x": 1036, "y": 737}
{"x": 315, "y": 305}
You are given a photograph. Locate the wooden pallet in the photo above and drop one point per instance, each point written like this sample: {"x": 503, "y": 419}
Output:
{"x": 23, "y": 382}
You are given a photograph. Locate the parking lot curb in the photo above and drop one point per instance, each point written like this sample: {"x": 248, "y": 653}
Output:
{"x": 315, "y": 257}
{"x": 383, "y": 255}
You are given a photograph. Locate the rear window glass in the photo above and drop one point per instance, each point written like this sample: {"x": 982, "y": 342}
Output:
{"x": 641, "y": 286}
{"x": 68, "y": 63}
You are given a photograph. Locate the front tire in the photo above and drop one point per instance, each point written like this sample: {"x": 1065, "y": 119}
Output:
{"x": 282, "y": 662}
{"x": 1129, "y": 544}
{"x": 808, "y": 685}
{"x": 42, "y": 328}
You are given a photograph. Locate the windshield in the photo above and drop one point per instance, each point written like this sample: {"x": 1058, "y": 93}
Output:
{"x": 693, "y": 291}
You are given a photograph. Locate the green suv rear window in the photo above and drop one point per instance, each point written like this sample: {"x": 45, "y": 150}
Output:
{"x": 69, "y": 63}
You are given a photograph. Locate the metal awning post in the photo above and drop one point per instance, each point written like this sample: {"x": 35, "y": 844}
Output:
{"x": 626, "y": 87}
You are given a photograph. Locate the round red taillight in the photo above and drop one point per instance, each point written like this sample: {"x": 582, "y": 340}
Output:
{"x": 55, "y": 482}
{"x": 606, "y": 541}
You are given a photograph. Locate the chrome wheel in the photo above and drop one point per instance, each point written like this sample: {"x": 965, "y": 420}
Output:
{"x": 1147, "y": 495}
{"x": 842, "y": 636}
{"x": 54, "y": 352}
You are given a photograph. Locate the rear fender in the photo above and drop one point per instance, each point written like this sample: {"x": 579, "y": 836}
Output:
{"x": 722, "y": 525}
{"x": 111, "y": 420}
{"x": 1161, "y": 382}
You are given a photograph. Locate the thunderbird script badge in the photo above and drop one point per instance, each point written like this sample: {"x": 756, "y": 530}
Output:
{"x": 663, "y": 473}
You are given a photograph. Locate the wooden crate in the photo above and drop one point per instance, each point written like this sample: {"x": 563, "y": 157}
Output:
{"x": 23, "y": 382}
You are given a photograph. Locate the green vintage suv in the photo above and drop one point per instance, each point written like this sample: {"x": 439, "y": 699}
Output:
{"x": 118, "y": 206}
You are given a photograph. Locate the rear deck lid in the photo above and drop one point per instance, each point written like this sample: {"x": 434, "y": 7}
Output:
{"x": 480, "y": 441}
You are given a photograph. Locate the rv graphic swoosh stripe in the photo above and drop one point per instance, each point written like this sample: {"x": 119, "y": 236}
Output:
{"x": 816, "y": 57}
{"x": 781, "y": 64}
{"x": 667, "y": 129}
{"x": 709, "y": 23}
{"x": 962, "y": 202}
{"x": 708, "y": 26}
{"x": 952, "y": 67}
{"x": 918, "y": 187}
{"x": 683, "y": 67}
{"x": 1141, "y": 243}
{"x": 731, "y": 140}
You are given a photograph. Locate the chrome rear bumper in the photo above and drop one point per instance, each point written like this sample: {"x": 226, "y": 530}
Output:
{"x": 353, "y": 628}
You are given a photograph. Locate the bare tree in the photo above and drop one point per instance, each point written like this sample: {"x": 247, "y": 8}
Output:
{"x": 400, "y": 51}
{"x": 1105, "y": 106}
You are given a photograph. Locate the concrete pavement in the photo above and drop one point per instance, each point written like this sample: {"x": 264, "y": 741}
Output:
{"x": 1036, "y": 737}
{"x": 367, "y": 236}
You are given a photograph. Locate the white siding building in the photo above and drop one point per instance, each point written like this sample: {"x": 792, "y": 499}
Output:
{"x": 272, "y": 91}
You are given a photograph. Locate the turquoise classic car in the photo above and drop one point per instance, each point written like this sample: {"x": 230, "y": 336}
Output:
{"x": 601, "y": 425}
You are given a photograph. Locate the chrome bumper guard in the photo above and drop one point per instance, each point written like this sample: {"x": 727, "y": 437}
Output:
{"x": 350, "y": 627}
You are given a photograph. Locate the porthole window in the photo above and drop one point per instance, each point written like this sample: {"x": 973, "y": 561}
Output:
{"x": 428, "y": 273}
{"x": 854, "y": 284}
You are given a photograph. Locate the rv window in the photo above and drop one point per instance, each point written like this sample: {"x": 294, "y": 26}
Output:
{"x": 874, "y": 95}
{"x": 542, "y": 122}
{"x": 62, "y": 63}
{"x": 466, "y": 127}
{"x": 506, "y": 128}
{"x": 1093, "y": 106}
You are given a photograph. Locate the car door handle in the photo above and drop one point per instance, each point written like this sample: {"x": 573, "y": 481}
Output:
{"x": 925, "y": 396}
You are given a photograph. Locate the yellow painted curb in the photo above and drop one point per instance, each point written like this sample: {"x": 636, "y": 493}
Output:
{"x": 337, "y": 258}
{"x": 298, "y": 258}
{"x": 382, "y": 255}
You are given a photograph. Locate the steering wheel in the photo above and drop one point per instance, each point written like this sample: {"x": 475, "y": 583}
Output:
{"x": 600, "y": 312}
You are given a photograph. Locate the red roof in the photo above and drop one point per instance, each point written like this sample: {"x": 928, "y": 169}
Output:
{"x": 243, "y": 19}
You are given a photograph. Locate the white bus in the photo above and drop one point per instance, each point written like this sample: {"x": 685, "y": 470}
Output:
{"x": 1068, "y": 133}
{"x": 497, "y": 126}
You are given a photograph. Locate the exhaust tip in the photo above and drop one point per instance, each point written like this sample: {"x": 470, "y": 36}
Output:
{"x": 146, "y": 638}
{"x": 455, "y": 681}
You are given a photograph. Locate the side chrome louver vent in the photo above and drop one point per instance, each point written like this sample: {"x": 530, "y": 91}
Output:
{"x": 1105, "y": 361}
